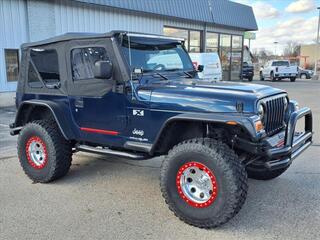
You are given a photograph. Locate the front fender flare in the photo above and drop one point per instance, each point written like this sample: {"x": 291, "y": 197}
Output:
{"x": 242, "y": 120}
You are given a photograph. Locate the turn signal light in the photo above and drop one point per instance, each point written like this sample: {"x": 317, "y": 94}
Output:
{"x": 258, "y": 126}
{"x": 233, "y": 123}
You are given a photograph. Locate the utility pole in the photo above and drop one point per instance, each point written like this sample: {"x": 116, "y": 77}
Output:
{"x": 317, "y": 46}
{"x": 275, "y": 48}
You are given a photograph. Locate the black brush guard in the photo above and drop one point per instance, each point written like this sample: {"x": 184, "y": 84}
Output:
{"x": 294, "y": 145}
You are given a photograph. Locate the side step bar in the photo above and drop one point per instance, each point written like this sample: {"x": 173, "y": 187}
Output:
{"x": 110, "y": 152}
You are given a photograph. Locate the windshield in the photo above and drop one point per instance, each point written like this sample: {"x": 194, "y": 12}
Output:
{"x": 152, "y": 55}
{"x": 281, "y": 64}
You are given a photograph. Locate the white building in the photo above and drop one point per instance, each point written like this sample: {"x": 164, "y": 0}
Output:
{"x": 207, "y": 25}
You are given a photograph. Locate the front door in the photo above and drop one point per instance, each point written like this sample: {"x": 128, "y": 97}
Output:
{"x": 98, "y": 110}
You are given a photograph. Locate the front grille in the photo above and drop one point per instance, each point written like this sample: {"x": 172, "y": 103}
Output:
{"x": 274, "y": 119}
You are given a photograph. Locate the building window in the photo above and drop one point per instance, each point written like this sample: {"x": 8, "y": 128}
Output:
{"x": 44, "y": 65}
{"x": 83, "y": 60}
{"x": 212, "y": 42}
{"x": 12, "y": 64}
{"x": 192, "y": 37}
{"x": 237, "y": 43}
{"x": 236, "y": 57}
{"x": 225, "y": 55}
{"x": 194, "y": 41}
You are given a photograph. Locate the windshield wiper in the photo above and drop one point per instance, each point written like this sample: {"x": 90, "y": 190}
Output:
{"x": 159, "y": 74}
{"x": 180, "y": 70}
{"x": 188, "y": 74}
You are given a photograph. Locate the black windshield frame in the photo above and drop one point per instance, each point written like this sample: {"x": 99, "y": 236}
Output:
{"x": 146, "y": 45}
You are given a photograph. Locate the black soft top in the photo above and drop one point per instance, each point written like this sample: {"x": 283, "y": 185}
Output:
{"x": 84, "y": 35}
{"x": 71, "y": 36}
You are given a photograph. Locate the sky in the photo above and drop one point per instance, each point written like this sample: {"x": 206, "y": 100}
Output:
{"x": 283, "y": 21}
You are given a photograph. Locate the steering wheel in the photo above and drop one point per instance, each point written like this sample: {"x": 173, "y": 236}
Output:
{"x": 159, "y": 67}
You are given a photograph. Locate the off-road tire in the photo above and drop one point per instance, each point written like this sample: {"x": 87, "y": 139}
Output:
{"x": 230, "y": 175}
{"x": 272, "y": 77}
{"x": 261, "y": 77}
{"x": 58, "y": 149}
{"x": 263, "y": 173}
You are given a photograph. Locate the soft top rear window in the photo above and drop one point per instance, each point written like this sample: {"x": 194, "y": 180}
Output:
{"x": 46, "y": 64}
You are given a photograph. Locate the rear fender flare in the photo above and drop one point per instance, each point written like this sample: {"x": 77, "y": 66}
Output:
{"x": 61, "y": 115}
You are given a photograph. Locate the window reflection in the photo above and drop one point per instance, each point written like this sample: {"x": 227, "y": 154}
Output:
{"x": 228, "y": 46}
{"x": 212, "y": 42}
{"x": 236, "y": 57}
{"x": 192, "y": 37}
{"x": 225, "y": 52}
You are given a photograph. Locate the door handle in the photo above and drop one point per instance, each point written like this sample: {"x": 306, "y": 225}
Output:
{"x": 78, "y": 102}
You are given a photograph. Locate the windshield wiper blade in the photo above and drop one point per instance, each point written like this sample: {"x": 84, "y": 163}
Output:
{"x": 160, "y": 75}
{"x": 180, "y": 70}
{"x": 188, "y": 74}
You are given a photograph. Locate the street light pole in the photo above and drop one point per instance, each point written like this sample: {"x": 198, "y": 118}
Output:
{"x": 317, "y": 46}
{"x": 275, "y": 48}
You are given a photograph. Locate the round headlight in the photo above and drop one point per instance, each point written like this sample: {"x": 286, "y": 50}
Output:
{"x": 261, "y": 111}
{"x": 286, "y": 103}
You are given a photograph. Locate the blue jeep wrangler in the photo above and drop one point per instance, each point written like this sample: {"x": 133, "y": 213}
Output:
{"x": 138, "y": 96}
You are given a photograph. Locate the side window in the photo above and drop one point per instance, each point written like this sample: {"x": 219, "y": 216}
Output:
{"x": 46, "y": 63}
{"x": 33, "y": 79}
{"x": 83, "y": 60}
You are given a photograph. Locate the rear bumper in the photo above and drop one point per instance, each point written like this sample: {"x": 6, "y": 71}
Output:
{"x": 293, "y": 143}
{"x": 285, "y": 75}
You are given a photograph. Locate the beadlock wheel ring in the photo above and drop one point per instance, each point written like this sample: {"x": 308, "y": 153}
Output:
{"x": 197, "y": 185}
{"x": 36, "y": 152}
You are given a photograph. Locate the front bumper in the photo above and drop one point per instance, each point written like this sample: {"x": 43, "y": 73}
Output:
{"x": 292, "y": 143}
{"x": 247, "y": 74}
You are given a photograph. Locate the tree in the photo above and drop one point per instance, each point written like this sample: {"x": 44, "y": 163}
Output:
{"x": 292, "y": 49}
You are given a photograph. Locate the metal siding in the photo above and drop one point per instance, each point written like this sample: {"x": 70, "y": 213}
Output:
{"x": 74, "y": 17}
{"x": 41, "y": 19}
{"x": 220, "y": 12}
{"x": 13, "y": 25}
{"x": 213, "y": 28}
{"x": 233, "y": 14}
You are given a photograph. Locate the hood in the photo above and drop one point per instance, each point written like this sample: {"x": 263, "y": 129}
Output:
{"x": 205, "y": 96}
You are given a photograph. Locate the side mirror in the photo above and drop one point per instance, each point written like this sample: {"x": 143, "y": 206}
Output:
{"x": 200, "y": 68}
{"x": 103, "y": 69}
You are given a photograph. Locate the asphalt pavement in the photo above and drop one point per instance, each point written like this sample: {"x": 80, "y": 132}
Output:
{"x": 112, "y": 198}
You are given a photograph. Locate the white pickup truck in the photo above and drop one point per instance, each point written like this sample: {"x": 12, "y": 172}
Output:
{"x": 277, "y": 70}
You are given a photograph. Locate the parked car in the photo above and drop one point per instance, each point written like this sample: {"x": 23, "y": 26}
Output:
{"x": 305, "y": 73}
{"x": 247, "y": 71}
{"x": 278, "y": 70}
{"x": 211, "y": 65}
{"x": 101, "y": 93}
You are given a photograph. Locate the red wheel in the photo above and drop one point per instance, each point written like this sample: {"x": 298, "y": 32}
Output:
{"x": 36, "y": 152}
{"x": 203, "y": 182}
{"x": 197, "y": 185}
{"x": 43, "y": 152}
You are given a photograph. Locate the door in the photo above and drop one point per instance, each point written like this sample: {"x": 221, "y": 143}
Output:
{"x": 98, "y": 110}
